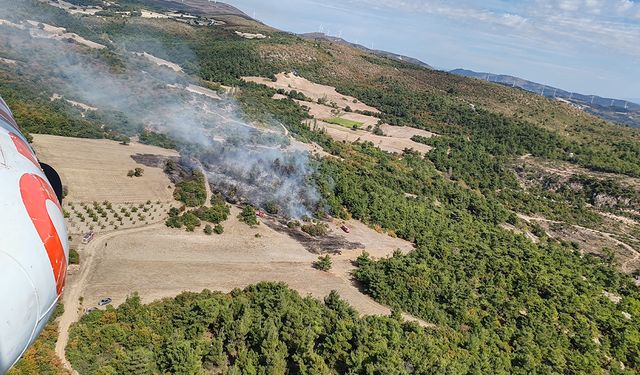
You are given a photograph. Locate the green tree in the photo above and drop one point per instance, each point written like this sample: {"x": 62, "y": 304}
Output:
{"x": 324, "y": 263}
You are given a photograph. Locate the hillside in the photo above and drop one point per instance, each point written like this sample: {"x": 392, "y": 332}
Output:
{"x": 620, "y": 111}
{"x": 389, "y": 55}
{"x": 516, "y": 217}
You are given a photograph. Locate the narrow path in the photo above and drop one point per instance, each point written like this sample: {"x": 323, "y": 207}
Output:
{"x": 72, "y": 307}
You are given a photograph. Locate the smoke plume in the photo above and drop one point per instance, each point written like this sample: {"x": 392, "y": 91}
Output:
{"x": 253, "y": 161}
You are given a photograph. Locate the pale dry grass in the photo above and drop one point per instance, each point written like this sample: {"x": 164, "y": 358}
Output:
{"x": 314, "y": 91}
{"x": 96, "y": 169}
{"x": 163, "y": 262}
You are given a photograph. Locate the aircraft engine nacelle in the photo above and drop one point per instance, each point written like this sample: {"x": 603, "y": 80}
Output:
{"x": 33, "y": 243}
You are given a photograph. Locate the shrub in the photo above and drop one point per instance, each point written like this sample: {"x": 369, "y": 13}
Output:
{"x": 316, "y": 230}
{"x": 208, "y": 230}
{"x": 272, "y": 208}
{"x": 323, "y": 263}
{"x": 248, "y": 216}
{"x": 74, "y": 256}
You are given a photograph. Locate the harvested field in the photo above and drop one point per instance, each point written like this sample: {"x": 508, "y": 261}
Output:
{"x": 7, "y": 61}
{"x": 250, "y": 35}
{"x": 160, "y": 62}
{"x": 96, "y": 170}
{"x": 73, "y": 9}
{"x": 150, "y": 14}
{"x": 59, "y": 33}
{"x": 203, "y": 91}
{"x": 395, "y": 139}
{"x": 389, "y": 144}
{"x": 289, "y": 82}
{"x": 320, "y": 111}
{"x": 161, "y": 262}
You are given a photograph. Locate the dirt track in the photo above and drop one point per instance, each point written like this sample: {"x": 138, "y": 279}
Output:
{"x": 76, "y": 284}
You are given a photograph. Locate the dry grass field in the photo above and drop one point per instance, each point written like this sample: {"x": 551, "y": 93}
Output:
{"x": 385, "y": 143}
{"x": 314, "y": 91}
{"x": 96, "y": 169}
{"x": 161, "y": 262}
{"x": 134, "y": 251}
{"x": 395, "y": 139}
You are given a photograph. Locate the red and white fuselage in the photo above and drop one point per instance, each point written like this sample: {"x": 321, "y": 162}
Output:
{"x": 33, "y": 244}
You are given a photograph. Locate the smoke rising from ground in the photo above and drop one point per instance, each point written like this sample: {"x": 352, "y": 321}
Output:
{"x": 252, "y": 162}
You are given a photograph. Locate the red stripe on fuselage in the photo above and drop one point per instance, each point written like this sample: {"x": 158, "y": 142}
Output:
{"x": 35, "y": 193}
{"x": 23, "y": 149}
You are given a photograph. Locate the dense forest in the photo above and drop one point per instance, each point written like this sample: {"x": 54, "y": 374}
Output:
{"x": 500, "y": 302}
{"x": 264, "y": 329}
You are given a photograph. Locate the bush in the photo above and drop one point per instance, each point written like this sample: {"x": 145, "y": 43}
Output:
{"x": 74, "y": 256}
{"x": 248, "y": 216}
{"x": 192, "y": 191}
{"x": 190, "y": 221}
{"x": 323, "y": 263}
{"x": 316, "y": 230}
{"x": 537, "y": 230}
{"x": 272, "y": 208}
{"x": 215, "y": 214}
{"x": 218, "y": 229}
{"x": 208, "y": 230}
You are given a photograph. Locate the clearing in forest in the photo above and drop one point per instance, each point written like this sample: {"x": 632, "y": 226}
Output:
{"x": 343, "y": 122}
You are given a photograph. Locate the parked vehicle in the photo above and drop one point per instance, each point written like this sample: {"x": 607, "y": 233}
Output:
{"x": 104, "y": 301}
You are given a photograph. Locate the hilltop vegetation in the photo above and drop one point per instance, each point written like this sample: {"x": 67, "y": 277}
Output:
{"x": 265, "y": 329}
{"x": 501, "y": 302}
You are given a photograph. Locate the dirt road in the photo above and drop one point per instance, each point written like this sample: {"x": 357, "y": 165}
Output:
{"x": 76, "y": 285}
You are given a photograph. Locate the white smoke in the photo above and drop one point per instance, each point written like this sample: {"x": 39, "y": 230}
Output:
{"x": 250, "y": 160}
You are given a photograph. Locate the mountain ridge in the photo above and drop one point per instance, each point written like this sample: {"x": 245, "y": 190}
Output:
{"x": 621, "y": 111}
{"x": 382, "y": 53}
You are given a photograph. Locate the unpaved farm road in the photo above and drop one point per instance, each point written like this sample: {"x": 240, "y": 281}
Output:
{"x": 71, "y": 299}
